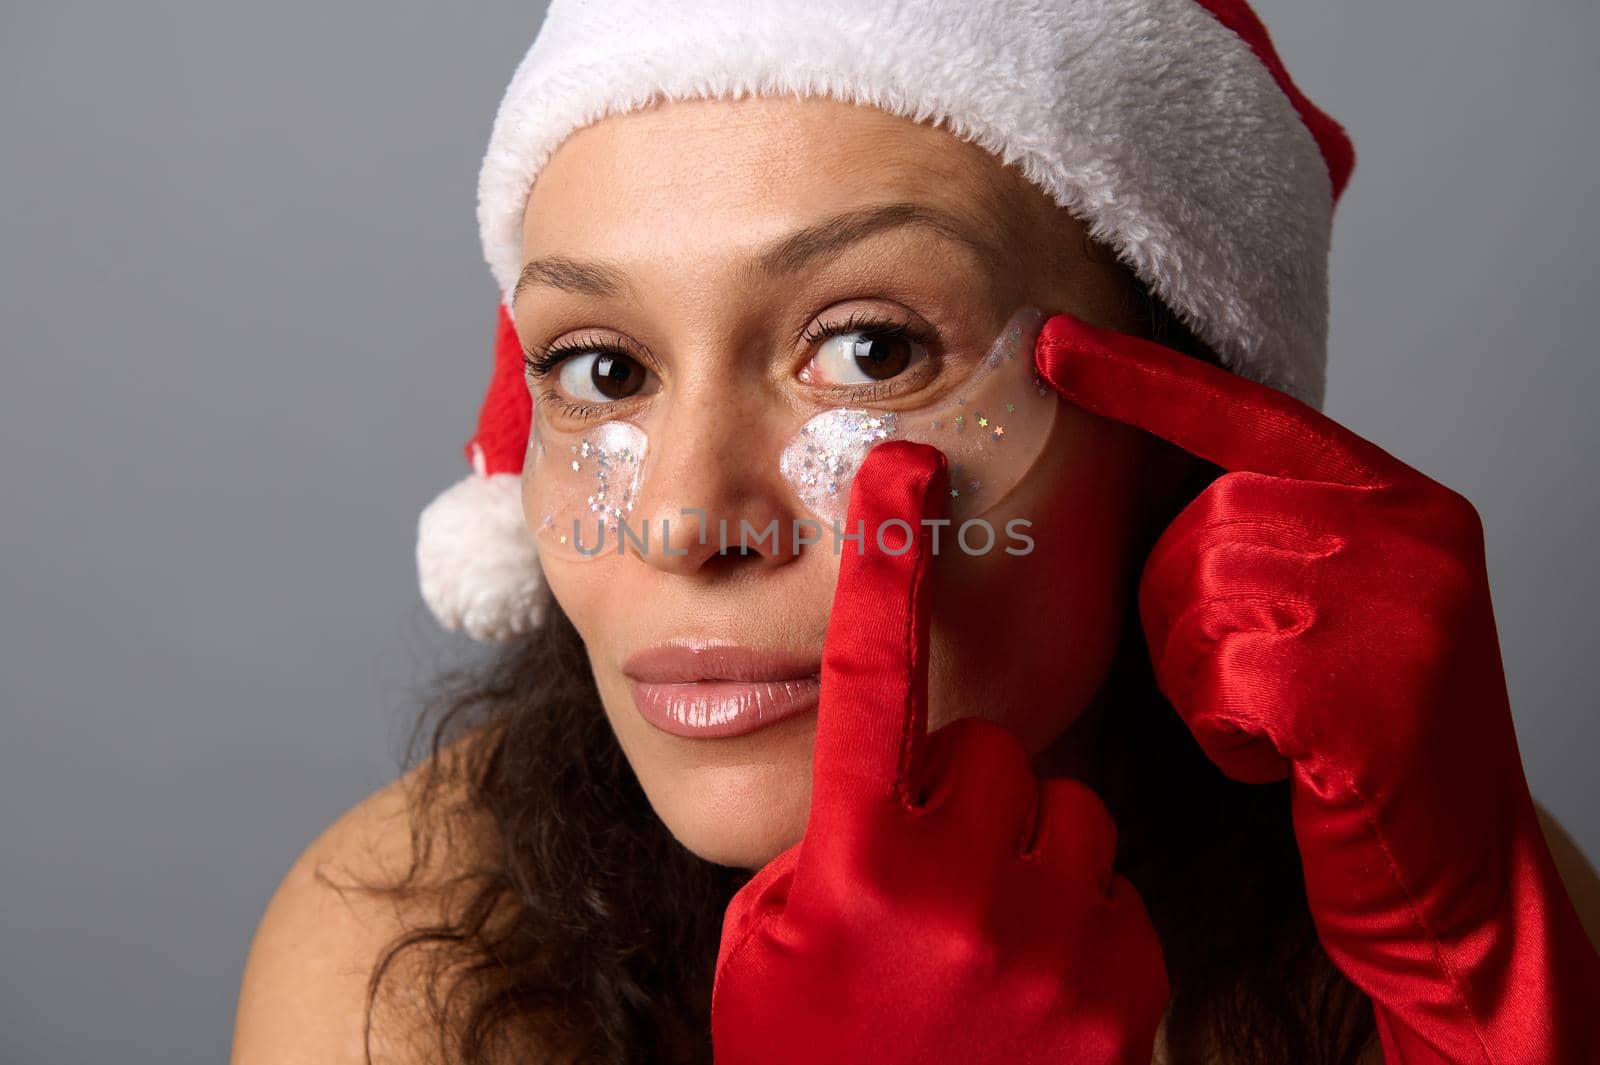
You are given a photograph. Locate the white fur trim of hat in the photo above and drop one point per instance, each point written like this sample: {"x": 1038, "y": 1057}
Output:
{"x": 1169, "y": 127}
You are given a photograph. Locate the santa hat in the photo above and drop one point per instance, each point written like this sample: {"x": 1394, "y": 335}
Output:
{"x": 1170, "y": 128}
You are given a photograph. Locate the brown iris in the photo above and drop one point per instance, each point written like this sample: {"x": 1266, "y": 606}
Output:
{"x": 616, "y": 377}
{"x": 881, "y": 358}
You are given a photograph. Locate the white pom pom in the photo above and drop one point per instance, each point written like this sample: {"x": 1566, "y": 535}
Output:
{"x": 476, "y": 560}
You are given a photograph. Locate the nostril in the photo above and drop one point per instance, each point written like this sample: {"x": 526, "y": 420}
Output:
{"x": 739, "y": 551}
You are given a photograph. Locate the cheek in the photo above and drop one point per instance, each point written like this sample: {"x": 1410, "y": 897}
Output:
{"x": 1021, "y": 639}
{"x": 735, "y": 802}
{"x": 580, "y": 588}
{"x": 1026, "y": 639}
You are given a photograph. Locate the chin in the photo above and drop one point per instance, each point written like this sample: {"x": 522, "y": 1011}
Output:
{"x": 737, "y": 813}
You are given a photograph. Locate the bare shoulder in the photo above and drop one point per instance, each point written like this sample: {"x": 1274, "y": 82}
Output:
{"x": 304, "y": 993}
{"x": 1577, "y": 873}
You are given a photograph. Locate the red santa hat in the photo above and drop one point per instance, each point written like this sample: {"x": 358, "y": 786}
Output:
{"x": 1170, "y": 128}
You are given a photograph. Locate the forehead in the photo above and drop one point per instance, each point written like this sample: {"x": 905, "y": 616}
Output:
{"x": 719, "y": 170}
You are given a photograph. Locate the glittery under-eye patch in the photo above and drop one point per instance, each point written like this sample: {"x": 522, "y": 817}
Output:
{"x": 825, "y": 454}
{"x": 588, "y": 486}
{"x": 992, "y": 431}
{"x": 588, "y": 483}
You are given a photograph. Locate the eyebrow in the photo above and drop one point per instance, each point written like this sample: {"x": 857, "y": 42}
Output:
{"x": 784, "y": 256}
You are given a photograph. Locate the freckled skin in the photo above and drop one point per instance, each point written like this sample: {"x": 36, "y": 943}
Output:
{"x": 678, "y": 196}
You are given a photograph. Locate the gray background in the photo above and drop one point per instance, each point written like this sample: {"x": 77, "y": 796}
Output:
{"x": 246, "y": 328}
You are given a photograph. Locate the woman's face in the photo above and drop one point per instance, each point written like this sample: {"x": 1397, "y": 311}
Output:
{"x": 649, "y": 228}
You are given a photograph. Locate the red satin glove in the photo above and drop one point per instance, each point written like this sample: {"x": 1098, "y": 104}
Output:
{"x": 944, "y": 905}
{"x": 1321, "y": 611}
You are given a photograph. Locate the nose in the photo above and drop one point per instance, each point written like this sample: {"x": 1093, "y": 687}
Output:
{"x": 713, "y": 498}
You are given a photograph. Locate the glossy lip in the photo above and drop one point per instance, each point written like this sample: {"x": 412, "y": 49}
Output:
{"x": 710, "y": 691}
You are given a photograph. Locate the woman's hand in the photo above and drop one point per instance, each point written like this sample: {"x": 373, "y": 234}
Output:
{"x": 944, "y": 904}
{"x": 1321, "y": 611}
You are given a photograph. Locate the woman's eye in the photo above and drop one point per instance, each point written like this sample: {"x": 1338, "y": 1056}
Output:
{"x": 862, "y": 357}
{"x": 601, "y": 376}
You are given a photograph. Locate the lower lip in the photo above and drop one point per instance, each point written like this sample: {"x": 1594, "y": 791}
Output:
{"x": 713, "y": 709}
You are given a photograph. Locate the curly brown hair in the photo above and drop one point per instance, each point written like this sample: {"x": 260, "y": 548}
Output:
{"x": 588, "y": 933}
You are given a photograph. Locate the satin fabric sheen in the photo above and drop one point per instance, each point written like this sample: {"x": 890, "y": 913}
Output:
{"x": 1322, "y": 612}
{"x": 944, "y": 905}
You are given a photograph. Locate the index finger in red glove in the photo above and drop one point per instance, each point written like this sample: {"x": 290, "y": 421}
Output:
{"x": 872, "y": 741}
{"x": 1228, "y": 420}
{"x": 875, "y": 656}
{"x": 937, "y": 880}
{"x": 1323, "y": 610}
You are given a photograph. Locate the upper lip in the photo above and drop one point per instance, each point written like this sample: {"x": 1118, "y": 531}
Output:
{"x": 687, "y": 663}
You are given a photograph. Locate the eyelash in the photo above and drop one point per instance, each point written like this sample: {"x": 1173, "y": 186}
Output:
{"x": 540, "y": 362}
{"x": 873, "y": 325}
